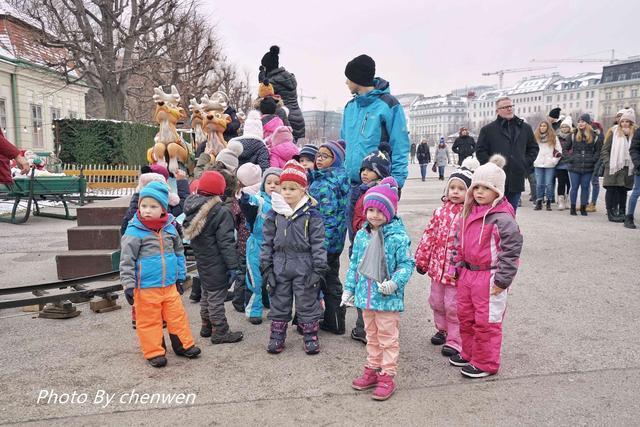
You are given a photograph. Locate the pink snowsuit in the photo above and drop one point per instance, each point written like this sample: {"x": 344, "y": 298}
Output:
{"x": 433, "y": 256}
{"x": 489, "y": 253}
{"x": 282, "y": 153}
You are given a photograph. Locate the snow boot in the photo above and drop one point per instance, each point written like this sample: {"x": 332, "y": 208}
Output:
{"x": 573, "y": 210}
{"x": 583, "y": 210}
{"x": 190, "y": 353}
{"x": 206, "y": 328}
{"x": 196, "y": 291}
{"x": 561, "y": 203}
{"x": 611, "y": 216}
{"x": 538, "y": 205}
{"x": 548, "y": 205}
{"x": 628, "y": 222}
{"x": 158, "y": 361}
{"x": 439, "y": 338}
{"x": 278, "y": 335}
{"x": 310, "y": 337}
{"x": 224, "y": 336}
{"x": 384, "y": 388}
{"x": 367, "y": 380}
{"x": 591, "y": 207}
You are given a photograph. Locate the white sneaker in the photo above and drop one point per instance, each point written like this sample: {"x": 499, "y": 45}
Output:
{"x": 561, "y": 201}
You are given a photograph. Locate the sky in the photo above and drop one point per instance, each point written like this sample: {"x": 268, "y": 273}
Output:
{"x": 428, "y": 47}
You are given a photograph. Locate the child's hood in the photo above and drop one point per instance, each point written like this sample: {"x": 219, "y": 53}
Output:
{"x": 481, "y": 212}
{"x": 197, "y": 208}
{"x": 395, "y": 227}
{"x": 285, "y": 150}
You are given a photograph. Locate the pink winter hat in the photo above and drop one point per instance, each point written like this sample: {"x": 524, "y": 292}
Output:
{"x": 384, "y": 197}
{"x": 147, "y": 178}
{"x": 156, "y": 168}
{"x": 281, "y": 135}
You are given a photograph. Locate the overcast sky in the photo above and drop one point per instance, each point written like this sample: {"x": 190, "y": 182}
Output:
{"x": 428, "y": 47}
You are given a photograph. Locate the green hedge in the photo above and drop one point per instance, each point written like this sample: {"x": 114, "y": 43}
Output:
{"x": 103, "y": 141}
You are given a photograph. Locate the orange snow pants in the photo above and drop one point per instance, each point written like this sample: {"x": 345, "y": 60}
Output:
{"x": 152, "y": 305}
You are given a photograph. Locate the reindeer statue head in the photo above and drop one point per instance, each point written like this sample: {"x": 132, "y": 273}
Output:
{"x": 167, "y": 140}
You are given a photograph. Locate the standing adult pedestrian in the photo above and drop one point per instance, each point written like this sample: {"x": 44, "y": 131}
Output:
{"x": 562, "y": 168}
{"x": 634, "y": 152}
{"x": 598, "y": 170}
{"x": 442, "y": 158}
{"x": 618, "y": 166}
{"x": 585, "y": 151}
{"x": 413, "y": 152}
{"x": 371, "y": 117}
{"x": 545, "y": 163}
{"x": 8, "y": 151}
{"x": 424, "y": 157}
{"x": 284, "y": 84}
{"x": 511, "y": 137}
{"x": 464, "y": 145}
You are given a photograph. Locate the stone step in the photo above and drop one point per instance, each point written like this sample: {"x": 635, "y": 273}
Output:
{"x": 100, "y": 215}
{"x": 81, "y": 263}
{"x": 94, "y": 237}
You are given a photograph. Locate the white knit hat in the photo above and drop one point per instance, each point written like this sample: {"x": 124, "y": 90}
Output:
{"x": 490, "y": 175}
{"x": 628, "y": 114}
{"x": 253, "y": 125}
{"x": 567, "y": 121}
{"x": 229, "y": 156}
{"x": 249, "y": 174}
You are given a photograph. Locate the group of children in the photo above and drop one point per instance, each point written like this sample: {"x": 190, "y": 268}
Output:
{"x": 297, "y": 217}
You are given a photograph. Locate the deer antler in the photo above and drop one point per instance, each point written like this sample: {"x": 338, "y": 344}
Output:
{"x": 194, "y": 106}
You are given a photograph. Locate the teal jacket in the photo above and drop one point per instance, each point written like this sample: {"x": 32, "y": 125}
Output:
{"x": 330, "y": 188}
{"x": 149, "y": 259}
{"x": 370, "y": 119}
{"x": 400, "y": 265}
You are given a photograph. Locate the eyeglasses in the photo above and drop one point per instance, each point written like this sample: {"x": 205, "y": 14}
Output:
{"x": 505, "y": 107}
{"x": 325, "y": 156}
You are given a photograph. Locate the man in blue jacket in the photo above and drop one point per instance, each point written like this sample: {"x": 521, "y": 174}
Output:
{"x": 372, "y": 116}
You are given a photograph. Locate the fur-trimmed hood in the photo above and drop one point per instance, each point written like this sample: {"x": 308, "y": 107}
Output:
{"x": 197, "y": 209}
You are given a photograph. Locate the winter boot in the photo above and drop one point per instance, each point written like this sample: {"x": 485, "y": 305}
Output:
{"x": 190, "y": 353}
{"x": 206, "y": 328}
{"x": 611, "y": 216}
{"x": 196, "y": 290}
{"x": 583, "y": 210}
{"x": 439, "y": 338}
{"x": 561, "y": 203}
{"x": 622, "y": 209}
{"x": 255, "y": 320}
{"x": 573, "y": 210}
{"x": 448, "y": 351}
{"x": 278, "y": 335}
{"x": 223, "y": 335}
{"x": 548, "y": 205}
{"x": 158, "y": 362}
{"x": 367, "y": 380}
{"x": 384, "y": 388}
{"x": 310, "y": 337}
{"x": 591, "y": 207}
{"x": 628, "y": 222}
{"x": 133, "y": 317}
{"x": 538, "y": 205}
{"x": 359, "y": 334}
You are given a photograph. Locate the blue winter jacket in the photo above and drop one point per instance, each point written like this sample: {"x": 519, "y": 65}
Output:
{"x": 330, "y": 188}
{"x": 400, "y": 265}
{"x": 149, "y": 259}
{"x": 370, "y": 119}
{"x": 263, "y": 204}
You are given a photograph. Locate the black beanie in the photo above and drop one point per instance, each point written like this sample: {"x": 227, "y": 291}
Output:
{"x": 361, "y": 70}
{"x": 268, "y": 105}
{"x": 555, "y": 113}
{"x": 270, "y": 60}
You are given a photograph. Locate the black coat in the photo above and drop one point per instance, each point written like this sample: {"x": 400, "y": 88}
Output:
{"x": 423, "y": 153}
{"x": 253, "y": 151}
{"x": 285, "y": 84}
{"x": 520, "y": 151}
{"x": 210, "y": 227}
{"x": 582, "y": 157}
{"x": 464, "y": 146}
{"x": 232, "y": 128}
{"x": 634, "y": 151}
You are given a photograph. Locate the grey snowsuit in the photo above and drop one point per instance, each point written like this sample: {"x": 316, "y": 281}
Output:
{"x": 294, "y": 248}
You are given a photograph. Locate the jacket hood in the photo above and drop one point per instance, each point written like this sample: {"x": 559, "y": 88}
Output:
{"x": 285, "y": 151}
{"x": 197, "y": 209}
{"x": 283, "y": 77}
{"x": 479, "y": 212}
{"x": 381, "y": 87}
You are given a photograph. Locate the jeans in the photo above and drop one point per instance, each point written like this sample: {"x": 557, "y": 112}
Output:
{"x": 544, "y": 183}
{"x": 441, "y": 171}
{"x": 423, "y": 170}
{"x": 633, "y": 198}
{"x": 595, "y": 188}
{"x": 514, "y": 199}
{"x": 582, "y": 180}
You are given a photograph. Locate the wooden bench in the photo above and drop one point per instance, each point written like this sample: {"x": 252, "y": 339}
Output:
{"x": 105, "y": 176}
{"x": 38, "y": 188}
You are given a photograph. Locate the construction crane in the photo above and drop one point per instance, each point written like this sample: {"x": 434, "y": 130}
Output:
{"x": 581, "y": 60}
{"x": 501, "y": 73}
{"x": 302, "y": 98}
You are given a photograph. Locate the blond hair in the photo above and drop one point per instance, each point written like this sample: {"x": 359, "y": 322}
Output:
{"x": 551, "y": 134}
{"x": 588, "y": 134}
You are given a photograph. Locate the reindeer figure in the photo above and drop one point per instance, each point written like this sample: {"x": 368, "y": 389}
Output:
{"x": 197, "y": 119}
{"x": 167, "y": 140}
{"x": 215, "y": 121}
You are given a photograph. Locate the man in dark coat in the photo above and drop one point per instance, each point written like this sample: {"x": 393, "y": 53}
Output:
{"x": 424, "y": 157}
{"x": 511, "y": 137}
{"x": 464, "y": 145}
{"x": 284, "y": 84}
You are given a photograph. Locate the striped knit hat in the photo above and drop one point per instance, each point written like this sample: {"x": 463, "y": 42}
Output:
{"x": 294, "y": 171}
{"x": 309, "y": 151}
{"x": 337, "y": 149}
{"x": 384, "y": 197}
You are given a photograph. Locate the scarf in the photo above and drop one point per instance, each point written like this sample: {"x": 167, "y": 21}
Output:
{"x": 281, "y": 207}
{"x": 374, "y": 262}
{"x": 620, "y": 157}
{"x": 154, "y": 224}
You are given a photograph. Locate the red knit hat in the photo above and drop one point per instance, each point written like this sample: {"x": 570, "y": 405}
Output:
{"x": 211, "y": 183}
{"x": 294, "y": 171}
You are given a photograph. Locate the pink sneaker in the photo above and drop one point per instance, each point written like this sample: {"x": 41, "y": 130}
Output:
{"x": 369, "y": 379}
{"x": 384, "y": 388}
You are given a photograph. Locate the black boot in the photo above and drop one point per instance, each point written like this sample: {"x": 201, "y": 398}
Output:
{"x": 628, "y": 222}
{"x": 158, "y": 361}
{"x": 310, "y": 337}
{"x": 538, "y": 205}
{"x": 583, "y": 210}
{"x": 190, "y": 353}
{"x": 206, "y": 329}
{"x": 611, "y": 216}
{"x": 223, "y": 335}
{"x": 196, "y": 292}
{"x": 572, "y": 211}
{"x": 277, "y": 337}
{"x": 548, "y": 205}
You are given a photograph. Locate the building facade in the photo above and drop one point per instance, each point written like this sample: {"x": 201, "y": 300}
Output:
{"x": 406, "y": 99}
{"x": 574, "y": 95}
{"x": 322, "y": 126}
{"x": 437, "y": 116}
{"x": 619, "y": 88}
{"x": 32, "y": 92}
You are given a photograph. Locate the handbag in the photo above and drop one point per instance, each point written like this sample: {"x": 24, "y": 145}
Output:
{"x": 434, "y": 167}
{"x": 557, "y": 154}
